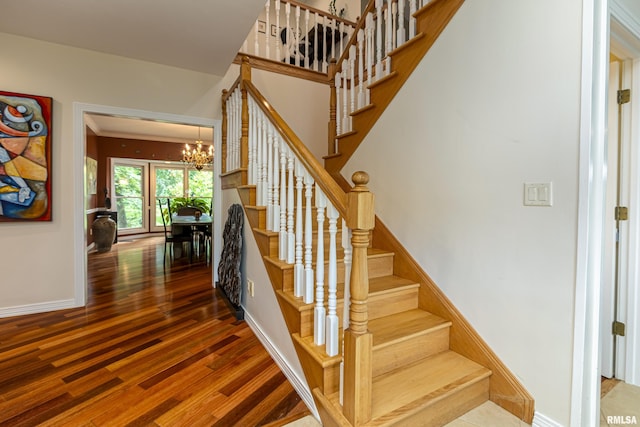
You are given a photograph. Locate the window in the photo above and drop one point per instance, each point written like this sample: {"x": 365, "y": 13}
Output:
{"x": 129, "y": 184}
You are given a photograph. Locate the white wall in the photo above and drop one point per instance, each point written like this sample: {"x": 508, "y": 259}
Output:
{"x": 494, "y": 104}
{"x": 303, "y": 104}
{"x": 37, "y": 259}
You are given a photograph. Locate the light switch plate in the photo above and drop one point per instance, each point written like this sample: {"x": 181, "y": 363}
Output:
{"x": 538, "y": 194}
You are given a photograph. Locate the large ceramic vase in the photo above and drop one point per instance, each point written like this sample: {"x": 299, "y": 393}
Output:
{"x": 104, "y": 232}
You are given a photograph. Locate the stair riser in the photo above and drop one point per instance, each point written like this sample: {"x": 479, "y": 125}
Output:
{"x": 247, "y": 195}
{"x": 271, "y": 243}
{"x": 379, "y": 266}
{"x": 327, "y": 379}
{"x": 256, "y": 216}
{"x": 393, "y": 356}
{"x": 379, "y": 306}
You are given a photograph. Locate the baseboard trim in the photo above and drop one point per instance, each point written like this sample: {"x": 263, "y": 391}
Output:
{"x": 298, "y": 383}
{"x": 40, "y": 307}
{"x": 540, "y": 420}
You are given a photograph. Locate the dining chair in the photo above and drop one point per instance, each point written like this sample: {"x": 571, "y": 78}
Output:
{"x": 170, "y": 238}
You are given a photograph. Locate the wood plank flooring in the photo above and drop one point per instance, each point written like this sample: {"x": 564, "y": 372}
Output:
{"x": 154, "y": 346}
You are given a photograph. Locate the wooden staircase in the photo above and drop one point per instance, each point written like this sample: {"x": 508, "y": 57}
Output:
{"x": 428, "y": 366}
{"x": 417, "y": 378}
{"x": 431, "y": 20}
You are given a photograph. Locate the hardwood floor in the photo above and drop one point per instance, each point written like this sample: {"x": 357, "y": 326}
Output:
{"x": 152, "y": 347}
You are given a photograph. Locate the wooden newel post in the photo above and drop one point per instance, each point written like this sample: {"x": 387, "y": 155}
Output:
{"x": 245, "y": 73}
{"x": 358, "y": 341}
{"x": 331, "y": 149}
{"x": 223, "y": 160}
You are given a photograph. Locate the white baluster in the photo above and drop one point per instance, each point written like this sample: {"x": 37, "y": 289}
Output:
{"x": 324, "y": 44}
{"x": 345, "y": 97}
{"x": 275, "y": 216}
{"x": 332, "y": 288}
{"x": 361, "y": 87}
{"x": 352, "y": 77}
{"x": 298, "y": 269}
{"x": 308, "y": 240}
{"x": 245, "y": 46}
{"x": 282, "y": 218}
{"x": 306, "y": 43}
{"x": 254, "y": 145}
{"x": 251, "y": 172}
{"x": 319, "y": 311}
{"x": 378, "y": 39}
{"x": 388, "y": 38}
{"x": 317, "y": 63}
{"x": 402, "y": 32}
{"x": 338, "y": 103}
{"x": 343, "y": 39}
{"x": 370, "y": 28}
{"x": 267, "y": 36}
{"x": 334, "y": 28}
{"x": 291, "y": 237}
{"x": 265, "y": 162}
{"x": 394, "y": 17}
{"x": 260, "y": 200}
{"x": 278, "y": 41}
{"x": 269, "y": 176}
{"x": 412, "y": 19}
{"x": 288, "y": 32}
{"x": 297, "y": 38}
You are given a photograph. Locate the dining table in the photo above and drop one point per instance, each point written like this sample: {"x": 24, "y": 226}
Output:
{"x": 185, "y": 224}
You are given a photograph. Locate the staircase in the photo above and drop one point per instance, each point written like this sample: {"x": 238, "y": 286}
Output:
{"x": 407, "y": 355}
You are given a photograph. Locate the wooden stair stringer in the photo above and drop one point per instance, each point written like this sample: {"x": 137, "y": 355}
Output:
{"x": 431, "y": 20}
{"x": 505, "y": 389}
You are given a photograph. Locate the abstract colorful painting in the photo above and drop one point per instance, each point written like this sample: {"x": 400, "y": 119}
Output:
{"x": 25, "y": 157}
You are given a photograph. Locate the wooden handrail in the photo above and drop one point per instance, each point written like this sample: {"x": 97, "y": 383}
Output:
{"x": 331, "y": 189}
{"x": 227, "y": 93}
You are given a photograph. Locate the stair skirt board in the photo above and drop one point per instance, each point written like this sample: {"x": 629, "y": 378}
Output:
{"x": 298, "y": 383}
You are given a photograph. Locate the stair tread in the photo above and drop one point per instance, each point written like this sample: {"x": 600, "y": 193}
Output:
{"x": 414, "y": 386}
{"x": 426, "y": 380}
{"x": 389, "y": 329}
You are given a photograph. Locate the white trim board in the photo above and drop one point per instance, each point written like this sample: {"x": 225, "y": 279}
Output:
{"x": 540, "y": 420}
{"x": 585, "y": 396}
{"x": 299, "y": 384}
{"x": 41, "y": 307}
{"x": 79, "y": 216}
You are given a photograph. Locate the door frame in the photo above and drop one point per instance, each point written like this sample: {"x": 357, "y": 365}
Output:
{"x": 80, "y": 226}
{"x": 625, "y": 42}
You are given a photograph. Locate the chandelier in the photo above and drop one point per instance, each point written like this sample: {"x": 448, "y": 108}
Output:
{"x": 198, "y": 158}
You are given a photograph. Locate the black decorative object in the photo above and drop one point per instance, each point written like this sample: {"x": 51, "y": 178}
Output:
{"x": 229, "y": 276}
{"x": 107, "y": 199}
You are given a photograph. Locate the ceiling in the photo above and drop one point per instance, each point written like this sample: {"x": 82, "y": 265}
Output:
{"x": 198, "y": 35}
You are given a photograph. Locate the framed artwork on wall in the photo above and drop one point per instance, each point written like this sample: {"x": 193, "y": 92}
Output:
{"x": 92, "y": 175}
{"x": 25, "y": 157}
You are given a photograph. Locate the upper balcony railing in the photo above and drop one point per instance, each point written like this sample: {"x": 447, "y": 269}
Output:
{"x": 299, "y": 35}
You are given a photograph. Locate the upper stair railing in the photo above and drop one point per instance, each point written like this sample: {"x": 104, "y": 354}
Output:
{"x": 291, "y": 183}
{"x": 299, "y": 35}
{"x": 385, "y": 26}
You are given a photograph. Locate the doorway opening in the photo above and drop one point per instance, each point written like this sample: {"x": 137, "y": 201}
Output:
{"x": 82, "y": 113}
